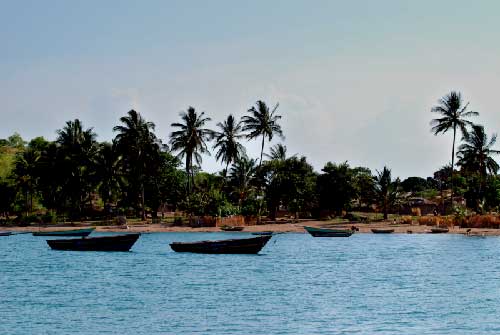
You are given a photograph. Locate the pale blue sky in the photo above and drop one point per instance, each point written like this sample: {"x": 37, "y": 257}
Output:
{"x": 355, "y": 80}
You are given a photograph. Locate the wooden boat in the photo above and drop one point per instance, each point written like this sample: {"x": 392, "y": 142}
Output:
{"x": 234, "y": 246}
{"x": 382, "y": 231}
{"x": 263, "y": 233}
{"x": 439, "y": 230}
{"x": 325, "y": 232}
{"x": 5, "y": 233}
{"x": 231, "y": 228}
{"x": 100, "y": 243}
{"x": 72, "y": 232}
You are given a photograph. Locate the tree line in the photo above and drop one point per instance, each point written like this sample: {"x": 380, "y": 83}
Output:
{"x": 136, "y": 173}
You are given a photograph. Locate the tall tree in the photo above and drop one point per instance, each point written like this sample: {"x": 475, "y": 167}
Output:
{"x": 262, "y": 123}
{"x": 26, "y": 176}
{"x": 387, "y": 190}
{"x": 77, "y": 150}
{"x": 336, "y": 187}
{"x": 191, "y": 140}
{"x": 476, "y": 153}
{"x": 243, "y": 177}
{"x": 454, "y": 116}
{"x": 229, "y": 150}
{"x": 107, "y": 168}
{"x": 140, "y": 148}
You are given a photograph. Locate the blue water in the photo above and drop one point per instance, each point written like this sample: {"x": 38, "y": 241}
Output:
{"x": 365, "y": 284}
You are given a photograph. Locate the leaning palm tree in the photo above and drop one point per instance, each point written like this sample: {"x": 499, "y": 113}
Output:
{"x": 386, "y": 190}
{"x": 262, "y": 122}
{"x": 476, "y": 153}
{"x": 226, "y": 141}
{"x": 454, "y": 115}
{"x": 277, "y": 152}
{"x": 191, "y": 140}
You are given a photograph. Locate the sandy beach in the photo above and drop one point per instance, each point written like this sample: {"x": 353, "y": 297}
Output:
{"x": 364, "y": 228}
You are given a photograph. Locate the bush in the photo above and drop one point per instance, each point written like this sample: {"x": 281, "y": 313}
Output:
{"x": 178, "y": 221}
{"x": 406, "y": 220}
{"x": 481, "y": 221}
{"x": 49, "y": 218}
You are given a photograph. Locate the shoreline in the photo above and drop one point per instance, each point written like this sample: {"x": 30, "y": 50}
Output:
{"x": 364, "y": 228}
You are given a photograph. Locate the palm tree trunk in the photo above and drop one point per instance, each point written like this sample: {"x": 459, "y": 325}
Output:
{"x": 453, "y": 163}
{"x": 262, "y": 150}
{"x": 143, "y": 210}
{"x": 187, "y": 174}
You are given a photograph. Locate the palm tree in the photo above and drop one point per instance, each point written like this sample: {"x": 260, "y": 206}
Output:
{"x": 242, "y": 176}
{"x": 226, "y": 141}
{"x": 454, "y": 115}
{"x": 386, "y": 190}
{"x": 26, "y": 177}
{"x": 476, "y": 153}
{"x": 139, "y": 148}
{"x": 77, "y": 151}
{"x": 107, "y": 169}
{"x": 277, "y": 152}
{"x": 191, "y": 140}
{"x": 262, "y": 122}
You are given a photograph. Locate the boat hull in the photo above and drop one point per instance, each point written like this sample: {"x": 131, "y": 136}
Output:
{"x": 382, "y": 231}
{"x": 439, "y": 230}
{"x": 100, "y": 243}
{"x": 73, "y": 232}
{"x": 324, "y": 232}
{"x": 230, "y": 228}
{"x": 233, "y": 246}
{"x": 5, "y": 233}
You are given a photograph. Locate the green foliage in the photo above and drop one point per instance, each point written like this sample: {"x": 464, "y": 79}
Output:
{"x": 290, "y": 183}
{"x": 336, "y": 187}
{"x": 414, "y": 184}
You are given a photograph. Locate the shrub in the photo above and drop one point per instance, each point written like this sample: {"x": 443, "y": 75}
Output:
{"x": 49, "y": 218}
{"x": 178, "y": 221}
{"x": 481, "y": 221}
{"x": 407, "y": 220}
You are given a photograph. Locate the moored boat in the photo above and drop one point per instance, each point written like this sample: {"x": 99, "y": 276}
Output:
{"x": 231, "y": 228}
{"x": 234, "y": 246}
{"x": 5, "y": 233}
{"x": 327, "y": 232}
{"x": 382, "y": 231}
{"x": 73, "y": 232}
{"x": 99, "y": 243}
{"x": 263, "y": 233}
{"x": 439, "y": 230}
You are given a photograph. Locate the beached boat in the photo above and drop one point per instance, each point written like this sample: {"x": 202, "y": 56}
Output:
{"x": 326, "y": 232}
{"x": 231, "y": 228}
{"x": 439, "y": 230}
{"x": 72, "y": 232}
{"x": 100, "y": 243}
{"x": 234, "y": 246}
{"x": 382, "y": 231}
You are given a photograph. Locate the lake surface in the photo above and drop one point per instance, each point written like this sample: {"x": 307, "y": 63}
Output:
{"x": 365, "y": 284}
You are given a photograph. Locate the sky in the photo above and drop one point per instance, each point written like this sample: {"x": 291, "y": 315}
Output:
{"x": 355, "y": 80}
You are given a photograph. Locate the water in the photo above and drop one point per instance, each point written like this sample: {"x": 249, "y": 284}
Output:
{"x": 365, "y": 284}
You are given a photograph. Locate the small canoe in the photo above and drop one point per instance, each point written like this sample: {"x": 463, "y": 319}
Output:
{"x": 5, "y": 233}
{"x": 100, "y": 243}
{"x": 72, "y": 232}
{"x": 263, "y": 233}
{"x": 231, "y": 228}
{"x": 382, "y": 231}
{"x": 325, "y": 232}
{"x": 438, "y": 230}
{"x": 234, "y": 246}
